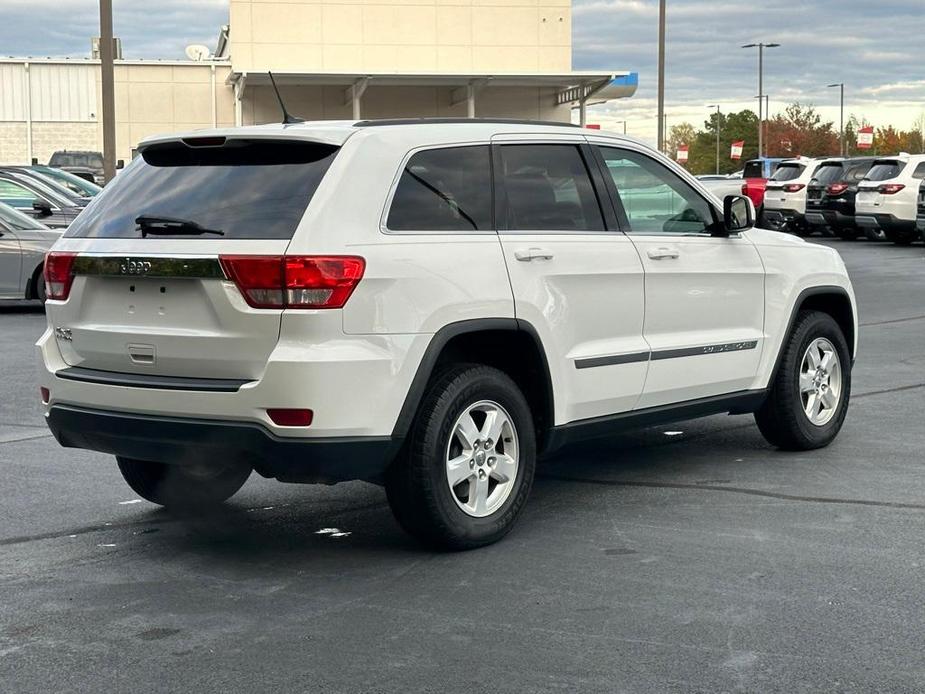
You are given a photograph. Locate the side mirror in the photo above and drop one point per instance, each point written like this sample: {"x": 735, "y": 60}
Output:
{"x": 738, "y": 214}
{"x": 42, "y": 207}
{"x": 120, "y": 163}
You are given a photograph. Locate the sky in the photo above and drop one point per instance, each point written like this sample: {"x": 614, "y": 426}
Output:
{"x": 870, "y": 45}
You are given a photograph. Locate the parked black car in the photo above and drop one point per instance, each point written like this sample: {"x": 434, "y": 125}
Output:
{"x": 79, "y": 162}
{"x": 920, "y": 215}
{"x": 49, "y": 203}
{"x": 831, "y": 194}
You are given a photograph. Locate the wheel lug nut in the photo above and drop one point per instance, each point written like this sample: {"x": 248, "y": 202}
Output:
{"x": 481, "y": 474}
{"x": 491, "y": 461}
{"x": 488, "y": 443}
{"x": 471, "y": 464}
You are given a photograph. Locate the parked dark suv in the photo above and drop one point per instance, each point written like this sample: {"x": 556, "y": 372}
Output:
{"x": 831, "y": 195}
{"x": 74, "y": 160}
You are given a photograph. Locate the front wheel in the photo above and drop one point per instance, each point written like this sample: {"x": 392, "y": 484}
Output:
{"x": 468, "y": 465}
{"x": 181, "y": 486}
{"x": 808, "y": 399}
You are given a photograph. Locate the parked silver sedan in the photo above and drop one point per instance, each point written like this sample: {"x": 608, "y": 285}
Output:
{"x": 23, "y": 244}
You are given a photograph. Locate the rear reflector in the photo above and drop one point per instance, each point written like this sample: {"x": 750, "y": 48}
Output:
{"x": 46, "y": 394}
{"x": 294, "y": 281}
{"x": 794, "y": 187}
{"x": 890, "y": 188}
{"x": 291, "y": 418}
{"x": 59, "y": 274}
{"x": 836, "y": 188}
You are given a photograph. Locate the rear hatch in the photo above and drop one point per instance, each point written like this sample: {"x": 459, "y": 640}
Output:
{"x": 878, "y": 181}
{"x": 150, "y": 293}
{"x": 826, "y": 174}
{"x": 784, "y": 185}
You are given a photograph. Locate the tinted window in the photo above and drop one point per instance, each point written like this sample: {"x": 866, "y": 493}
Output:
{"x": 753, "y": 169}
{"x": 856, "y": 172}
{"x": 919, "y": 171}
{"x": 15, "y": 195}
{"x": 653, "y": 197}
{"x": 828, "y": 173}
{"x": 444, "y": 190}
{"x": 884, "y": 170}
{"x": 246, "y": 189}
{"x": 788, "y": 172}
{"x": 548, "y": 189}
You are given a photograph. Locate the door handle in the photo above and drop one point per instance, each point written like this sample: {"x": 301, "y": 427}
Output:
{"x": 663, "y": 253}
{"x": 529, "y": 254}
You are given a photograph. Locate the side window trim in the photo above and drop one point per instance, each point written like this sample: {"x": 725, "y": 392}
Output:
{"x": 621, "y": 210}
{"x": 607, "y": 212}
{"x": 396, "y": 179}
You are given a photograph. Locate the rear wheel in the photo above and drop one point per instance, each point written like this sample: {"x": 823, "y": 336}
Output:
{"x": 847, "y": 233}
{"x": 468, "y": 466}
{"x": 38, "y": 286}
{"x": 183, "y": 486}
{"x": 873, "y": 234}
{"x": 808, "y": 399}
{"x": 902, "y": 237}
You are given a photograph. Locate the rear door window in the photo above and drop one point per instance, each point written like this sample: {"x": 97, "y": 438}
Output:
{"x": 788, "y": 172}
{"x": 885, "y": 170}
{"x": 16, "y": 195}
{"x": 548, "y": 188}
{"x": 247, "y": 189}
{"x": 828, "y": 173}
{"x": 919, "y": 172}
{"x": 444, "y": 190}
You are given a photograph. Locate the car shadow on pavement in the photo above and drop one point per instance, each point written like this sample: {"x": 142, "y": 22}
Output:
{"x": 13, "y": 307}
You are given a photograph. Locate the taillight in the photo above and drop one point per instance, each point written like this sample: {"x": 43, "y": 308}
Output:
{"x": 890, "y": 188}
{"x": 294, "y": 281}
{"x": 836, "y": 188}
{"x": 794, "y": 187}
{"x": 59, "y": 274}
{"x": 744, "y": 189}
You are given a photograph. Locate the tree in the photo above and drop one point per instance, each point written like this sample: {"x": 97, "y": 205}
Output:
{"x": 681, "y": 134}
{"x": 800, "y": 131}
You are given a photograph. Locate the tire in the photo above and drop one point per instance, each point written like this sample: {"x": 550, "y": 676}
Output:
{"x": 783, "y": 418}
{"x": 801, "y": 229}
{"x": 847, "y": 233}
{"x": 903, "y": 237}
{"x": 38, "y": 286}
{"x": 177, "y": 486}
{"x": 418, "y": 484}
{"x": 874, "y": 234}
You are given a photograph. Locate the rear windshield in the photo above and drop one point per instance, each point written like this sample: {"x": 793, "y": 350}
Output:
{"x": 753, "y": 169}
{"x": 885, "y": 170}
{"x": 828, "y": 173}
{"x": 788, "y": 172}
{"x": 247, "y": 189}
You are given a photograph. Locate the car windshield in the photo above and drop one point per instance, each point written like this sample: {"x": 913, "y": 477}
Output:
{"x": 247, "y": 189}
{"x": 75, "y": 184}
{"x": 885, "y": 170}
{"x": 827, "y": 173}
{"x": 788, "y": 172}
{"x": 16, "y": 220}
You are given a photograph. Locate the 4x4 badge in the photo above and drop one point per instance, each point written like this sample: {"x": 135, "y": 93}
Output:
{"x": 64, "y": 334}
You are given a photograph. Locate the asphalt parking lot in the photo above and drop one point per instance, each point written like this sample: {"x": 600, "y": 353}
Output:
{"x": 684, "y": 558}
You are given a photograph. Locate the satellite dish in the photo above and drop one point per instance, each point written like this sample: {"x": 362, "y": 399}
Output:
{"x": 197, "y": 52}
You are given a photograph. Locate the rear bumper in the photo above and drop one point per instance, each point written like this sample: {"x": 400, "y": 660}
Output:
{"x": 823, "y": 217}
{"x": 778, "y": 218}
{"x": 180, "y": 441}
{"x": 887, "y": 222}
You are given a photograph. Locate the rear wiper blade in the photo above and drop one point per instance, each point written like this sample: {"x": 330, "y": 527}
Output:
{"x": 154, "y": 225}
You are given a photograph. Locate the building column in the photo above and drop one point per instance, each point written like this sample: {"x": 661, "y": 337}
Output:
{"x": 357, "y": 89}
{"x": 28, "y": 76}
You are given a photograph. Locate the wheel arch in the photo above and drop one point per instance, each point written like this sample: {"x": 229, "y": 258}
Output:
{"x": 509, "y": 344}
{"x": 32, "y": 287}
{"x": 833, "y": 300}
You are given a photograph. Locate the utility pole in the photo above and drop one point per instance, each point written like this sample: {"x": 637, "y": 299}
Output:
{"x": 841, "y": 118}
{"x": 107, "y": 90}
{"x": 716, "y": 106}
{"x": 761, "y": 47}
{"x": 661, "y": 75}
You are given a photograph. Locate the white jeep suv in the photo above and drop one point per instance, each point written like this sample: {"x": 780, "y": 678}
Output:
{"x": 428, "y": 305}
{"x": 888, "y": 197}
{"x": 785, "y": 195}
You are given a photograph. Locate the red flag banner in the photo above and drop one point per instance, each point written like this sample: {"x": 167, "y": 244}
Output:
{"x": 682, "y": 153}
{"x": 866, "y": 137}
{"x": 736, "y": 151}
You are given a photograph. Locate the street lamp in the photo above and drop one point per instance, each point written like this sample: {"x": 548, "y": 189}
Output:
{"x": 716, "y": 106}
{"x": 661, "y": 75}
{"x": 761, "y": 47}
{"x": 841, "y": 121}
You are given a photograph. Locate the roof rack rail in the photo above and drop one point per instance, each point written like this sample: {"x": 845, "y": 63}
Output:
{"x": 442, "y": 121}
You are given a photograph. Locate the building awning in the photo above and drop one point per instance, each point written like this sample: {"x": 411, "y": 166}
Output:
{"x": 571, "y": 87}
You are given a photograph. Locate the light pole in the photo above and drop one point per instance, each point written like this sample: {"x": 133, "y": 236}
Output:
{"x": 107, "y": 95}
{"x": 716, "y": 106}
{"x": 841, "y": 118}
{"x": 661, "y": 75}
{"x": 761, "y": 47}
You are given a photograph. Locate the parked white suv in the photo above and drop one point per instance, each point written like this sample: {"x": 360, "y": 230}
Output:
{"x": 888, "y": 197}
{"x": 785, "y": 195}
{"x": 429, "y": 305}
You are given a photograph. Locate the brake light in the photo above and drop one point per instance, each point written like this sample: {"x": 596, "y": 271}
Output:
{"x": 836, "y": 188}
{"x": 890, "y": 188}
{"x": 46, "y": 395}
{"x": 59, "y": 274}
{"x": 294, "y": 281}
{"x": 794, "y": 187}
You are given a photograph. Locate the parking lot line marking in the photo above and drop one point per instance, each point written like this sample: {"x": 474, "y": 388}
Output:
{"x": 736, "y": 490}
